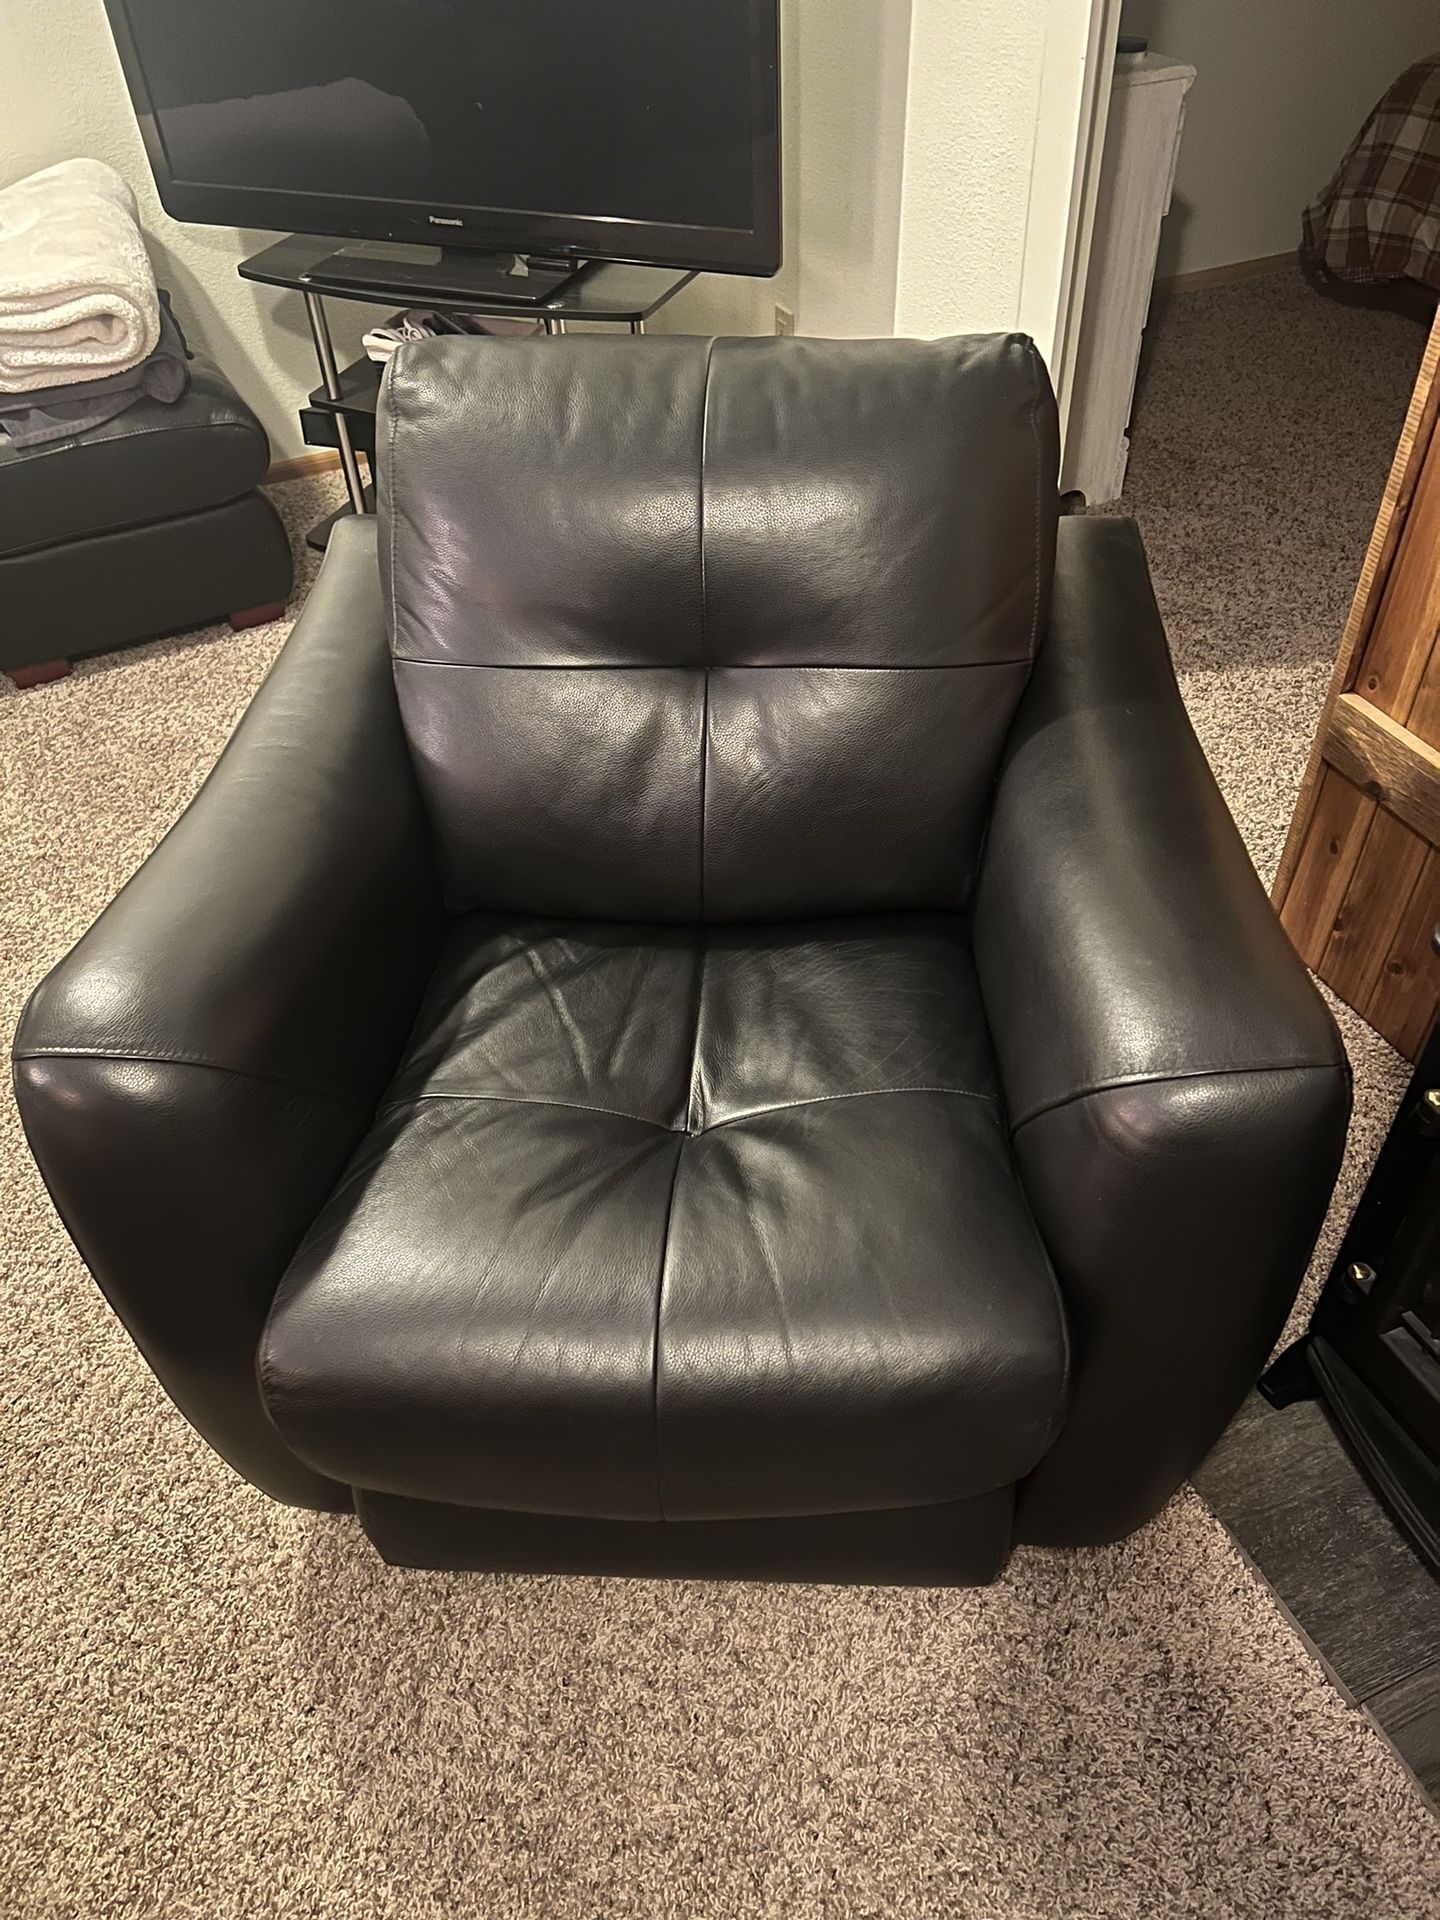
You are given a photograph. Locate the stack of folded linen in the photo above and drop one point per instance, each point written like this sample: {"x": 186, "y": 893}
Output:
{"x": 83, "y": 334}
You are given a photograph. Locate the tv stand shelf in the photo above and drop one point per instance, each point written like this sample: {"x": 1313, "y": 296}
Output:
{"x": 357, "y": 400}
{"x": 341, "y": 412}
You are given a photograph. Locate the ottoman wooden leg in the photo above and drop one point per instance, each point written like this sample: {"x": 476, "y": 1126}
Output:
{"x": 257, "y": 616}
{"x": 36, "y": 676}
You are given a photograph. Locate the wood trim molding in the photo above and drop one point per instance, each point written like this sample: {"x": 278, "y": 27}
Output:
{"x": 1385, "y": 760}
{"x": 300, "y": 465}
{"x": 1227, "y": 275}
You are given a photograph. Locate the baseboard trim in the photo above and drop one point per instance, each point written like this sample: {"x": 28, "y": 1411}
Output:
{"x": 300, "y": 465}
{"x": 1223, "y": 276}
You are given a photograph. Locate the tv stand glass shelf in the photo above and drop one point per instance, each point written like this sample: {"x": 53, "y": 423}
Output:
{"x": 341, "y": 411}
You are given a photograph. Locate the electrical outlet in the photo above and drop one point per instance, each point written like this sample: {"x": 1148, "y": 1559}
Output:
{"x": 784, "y": 321}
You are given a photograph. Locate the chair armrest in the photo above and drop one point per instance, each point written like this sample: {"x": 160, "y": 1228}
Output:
{"x": 1178, "y": 1092}
{"x": 195, "y": 1073}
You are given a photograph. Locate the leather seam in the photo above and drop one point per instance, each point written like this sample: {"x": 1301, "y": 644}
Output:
{"x": 1175, "y": 1080}
{"x": 682, "y": 1134}
{"x": 1039, "y": 492}
{"x": 161, "y": 431}
{"x": 527, "y": 1100}
{"x": 704, "y": 629}
{"x": 1005, "y": 1490}
{"x": 862, "y": 1093}
{"x": 693, "y": 1102}
{"x": 689, "y": 1132}
{"x": 154, "y": 1058}
{"x": 390, "y": 409}
{"x": 730, "y": 666}
{"x": 93, "y": 535}
{"x": 655, "y": 1338}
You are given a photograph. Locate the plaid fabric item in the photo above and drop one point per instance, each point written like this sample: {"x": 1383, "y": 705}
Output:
{"x": 1379, "y": 218}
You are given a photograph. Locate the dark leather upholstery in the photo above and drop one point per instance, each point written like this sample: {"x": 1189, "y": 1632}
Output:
{"x": 680, "y": 1224}
{"x": 113, "y": 589}
{"x": 1177, "y": 1090}
{"x": 659, "y": 616}
{"x": 691, "y": 1195}
{"x": 156, "y": 460}
{"x": 146, "y": 524}
{"x": 194, "y": 1075}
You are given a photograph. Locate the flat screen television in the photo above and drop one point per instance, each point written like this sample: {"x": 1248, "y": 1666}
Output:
{"x": 636, "y": 130}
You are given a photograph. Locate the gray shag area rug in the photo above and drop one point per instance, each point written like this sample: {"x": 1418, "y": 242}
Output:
{"x": 216, "y": 1709}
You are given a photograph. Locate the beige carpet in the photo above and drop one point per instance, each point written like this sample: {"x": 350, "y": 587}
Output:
{"x": 219, "y": 1710}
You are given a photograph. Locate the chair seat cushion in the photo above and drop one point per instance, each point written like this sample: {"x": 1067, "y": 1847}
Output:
{"x": 153, "y": 462}
{"x": 680, "y": 1223}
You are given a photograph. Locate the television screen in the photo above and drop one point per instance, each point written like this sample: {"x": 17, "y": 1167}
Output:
{"x": 613, "y": 129}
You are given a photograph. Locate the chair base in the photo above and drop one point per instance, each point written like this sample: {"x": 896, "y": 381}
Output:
{"x": 960, "y": 1543}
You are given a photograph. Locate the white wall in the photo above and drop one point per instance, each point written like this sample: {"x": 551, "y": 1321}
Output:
{"x": 849, "y": 133}
{"x": 975, "y": 75}
{"x": 937, "y": 158}
{"x": 1282, "y": 88}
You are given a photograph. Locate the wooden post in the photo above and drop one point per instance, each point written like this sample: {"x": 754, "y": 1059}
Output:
{"x": 1359, "y": 883}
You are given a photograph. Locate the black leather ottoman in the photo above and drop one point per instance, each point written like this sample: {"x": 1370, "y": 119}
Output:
{"x": 149, "y": 524}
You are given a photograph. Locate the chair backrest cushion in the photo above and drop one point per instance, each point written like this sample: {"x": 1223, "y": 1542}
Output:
{"x": 713, "y": 630}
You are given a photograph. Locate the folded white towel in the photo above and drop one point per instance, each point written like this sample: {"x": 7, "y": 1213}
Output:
{"x": 77, "y": 293}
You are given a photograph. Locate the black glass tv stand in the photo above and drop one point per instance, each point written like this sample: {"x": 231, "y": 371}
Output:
{"x": 431, "y": 273}
{"x": 341, "y": 411}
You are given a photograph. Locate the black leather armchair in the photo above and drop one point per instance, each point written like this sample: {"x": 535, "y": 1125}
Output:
{"x": 712, "y": 1017}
